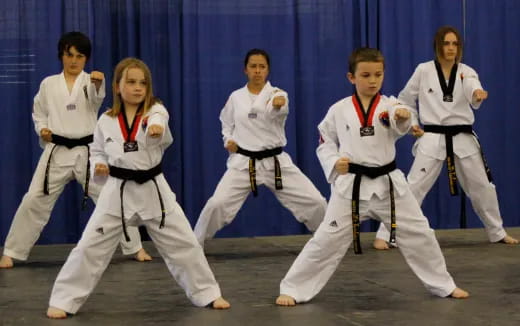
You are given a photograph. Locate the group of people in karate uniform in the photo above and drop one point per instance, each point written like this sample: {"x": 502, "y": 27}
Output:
{"x": 117, "y": 159}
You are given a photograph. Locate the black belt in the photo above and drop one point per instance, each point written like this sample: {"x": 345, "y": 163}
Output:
{"x": 139, "y": 176}
{"x": 371, "y": 172}
{"x": 260, "y": 155}
{"x": 70, "y": 143}
{"x": 449, "y": 132}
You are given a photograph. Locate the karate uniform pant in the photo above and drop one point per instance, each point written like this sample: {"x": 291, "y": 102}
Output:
{"x": 473, "y": 180}
{"x": 324, "y": 251}
{"x": 175, "y": 242}
{"x": 298, "y": 195}
{"x": 35, "y": 209}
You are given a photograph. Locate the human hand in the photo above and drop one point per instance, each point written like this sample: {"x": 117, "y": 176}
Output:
{"x": 341, "y": 165}
{"x": 479, "y": 95}
{"x": 278, "y": 102}
{"x": 155, "y": 131}
{"x": 401, "y": 114}
{"x": 231, "y": 146}
{"x": 417, "y": 131}
{"x": 46, "y": 134}
{"x": 96, "y": 77}
{"x": 101, "y": 170}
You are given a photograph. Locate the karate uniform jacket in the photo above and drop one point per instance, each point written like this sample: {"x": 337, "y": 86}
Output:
{"x": 340, "y": 137}
{"x": 107, "y": 149}
{"x": 424, "y": 86}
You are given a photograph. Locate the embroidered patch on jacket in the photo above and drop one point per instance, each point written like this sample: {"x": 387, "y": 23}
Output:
{"x": 144, "y": 123}
{"x": 384, "y": 119}
{"x": 108, "y": 140}
{"x": 333, "y": 224}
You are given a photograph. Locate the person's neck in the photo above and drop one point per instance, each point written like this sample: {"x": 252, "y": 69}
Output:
{"x": 130, "y": 112}
{"x": 365, "y": 101}
{"x": 255, "y": 88}
{"x": 446, "y": 66}
{"x": 70, "y": 79}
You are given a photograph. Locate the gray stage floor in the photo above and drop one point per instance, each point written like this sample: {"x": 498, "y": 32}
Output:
{"x": 376, "y": 288}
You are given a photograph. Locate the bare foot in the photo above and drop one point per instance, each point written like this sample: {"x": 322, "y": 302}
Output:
{"x": 459, "y": 294}
{"x": 6, "y": 262}
{"x": 55, "y": 313}
{"x": 380, "y": 244}
{"x": 220, "y": 303}
{"x": 285, "y": 300}
{"x": 142, "y": 255}
{"x": 507, "y": 240}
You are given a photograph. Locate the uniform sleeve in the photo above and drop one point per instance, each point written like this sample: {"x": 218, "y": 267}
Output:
{"x": 97, "y": 154}
{"x": 158, "y": 116}
{"x": 328, "y": 149}
{"x": 95, "y": 97}
{"x": 400, "y": 127}
{"x": 228, "y": 121}
{"x": 40, "y": 112}
{"x": 470, "y": 83}
{"x": 284, "y": 110}
{"x": 410, "y": 93}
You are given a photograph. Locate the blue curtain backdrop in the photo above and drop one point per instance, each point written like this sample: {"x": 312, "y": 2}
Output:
{"x": 195, "y": 50}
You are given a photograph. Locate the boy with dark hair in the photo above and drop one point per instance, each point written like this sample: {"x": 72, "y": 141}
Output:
{"x": 64, "y": 114}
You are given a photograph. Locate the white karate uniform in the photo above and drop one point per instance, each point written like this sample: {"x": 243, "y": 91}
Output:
{"x": 430, "y": 149}
{"x": 175, "y": 241}
{"x": 340, "y": 137}
{"x": 255, "y": 125}
{"x": 71, "y": 115}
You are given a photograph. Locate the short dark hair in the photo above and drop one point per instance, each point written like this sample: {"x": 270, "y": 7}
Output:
{"x": 438, "y": 42}
{"x": 74, "y": 39}
{"x": 257, "y": 52}
{"x": 364, "y": 55}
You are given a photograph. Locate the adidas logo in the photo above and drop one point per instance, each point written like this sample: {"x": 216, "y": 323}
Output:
{"x": 108, "y": 140}
{"x": 333, "y": 224}
{"x": 423, "y": 170}
{"x": 100, "y": 230}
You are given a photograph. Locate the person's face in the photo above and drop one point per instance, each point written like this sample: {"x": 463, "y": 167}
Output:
{"x": 368, "y": 78}
{"x": 73, "y": 61}
{"x": 450, "y": 47}
{"x": 257, "y": 69}
{"x": 133, "y": 87}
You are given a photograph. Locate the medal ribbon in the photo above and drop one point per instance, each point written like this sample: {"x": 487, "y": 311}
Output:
{"x": 447, "y": 90}
{"x": 129, "y": 132}
{"x": 365, "y": 117}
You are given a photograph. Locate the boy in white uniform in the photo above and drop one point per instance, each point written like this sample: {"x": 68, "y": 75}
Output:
{"x": 253, "y": 129}
{"x": 129, "y": 143}
{"x": 446, "y": 90}
{"x": 357, "y": 153}
{"x": 65, "y": 114}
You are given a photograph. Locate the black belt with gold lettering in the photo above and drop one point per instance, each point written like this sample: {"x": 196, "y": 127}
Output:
{"x": 260, "y": 155}
{"x": 449, "y": 132}
{"x": 139, "y": 176}
{"x": 371, "y": 172}
{"x": 70, "y": 143}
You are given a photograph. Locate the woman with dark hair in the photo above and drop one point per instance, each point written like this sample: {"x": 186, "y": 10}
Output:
{"x": 446, "y": 91}
{"x": 253, "y": 122}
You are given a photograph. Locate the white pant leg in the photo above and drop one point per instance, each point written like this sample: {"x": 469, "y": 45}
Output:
{"x": 383, "y": 233}
{"x": 94, "y": 189}
{"x": 322, "y": 254}
{"x": 424, "y": 172}
{"x": 416, "y": 241}
{"x": 298, "y": 195}
{"x": 482, "y": 193}
{"x": 35, "y": 209}
{"x": 220, "y": 210}
{"x": 184, "y": 257}
{"x": 86, "y": 263}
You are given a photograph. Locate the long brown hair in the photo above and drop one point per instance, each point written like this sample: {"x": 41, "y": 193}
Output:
{"x": 438, "y": 42}
{"x": 120, "y": 72}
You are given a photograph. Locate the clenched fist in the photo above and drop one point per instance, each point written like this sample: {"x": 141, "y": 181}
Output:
{"x": 341, "y": 165}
